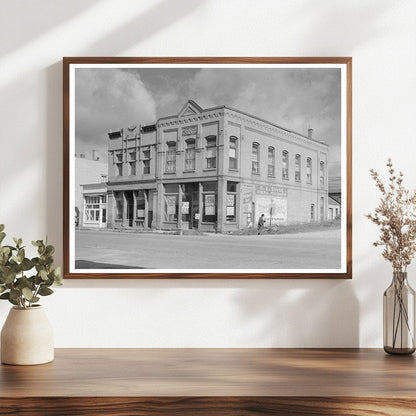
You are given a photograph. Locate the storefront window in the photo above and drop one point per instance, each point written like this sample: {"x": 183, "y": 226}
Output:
{"x": 210, "y": 211}
{"x": 171, "y": 208}
{"x": 231, "y": 202}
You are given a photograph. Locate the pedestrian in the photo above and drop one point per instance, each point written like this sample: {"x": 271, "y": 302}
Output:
{"x": 260, "y": 224}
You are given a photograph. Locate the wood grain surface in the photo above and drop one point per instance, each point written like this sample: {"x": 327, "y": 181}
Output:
{"x": 212, "y": 381}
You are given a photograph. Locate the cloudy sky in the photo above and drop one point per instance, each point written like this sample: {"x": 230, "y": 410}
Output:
{"x": 108, "y": 99}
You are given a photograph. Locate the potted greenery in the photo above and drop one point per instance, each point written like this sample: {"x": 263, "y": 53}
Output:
{"x": 27, "y": 336}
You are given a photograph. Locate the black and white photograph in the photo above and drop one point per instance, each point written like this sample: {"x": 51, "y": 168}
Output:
{"x": 207, "y": 168}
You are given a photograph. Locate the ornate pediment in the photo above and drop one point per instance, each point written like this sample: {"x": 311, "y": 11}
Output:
{"x": 191, "y": 108}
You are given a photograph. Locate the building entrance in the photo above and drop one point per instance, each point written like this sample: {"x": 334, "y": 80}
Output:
{"x": 130, "y": 208}
{"x": 190, "y": 206}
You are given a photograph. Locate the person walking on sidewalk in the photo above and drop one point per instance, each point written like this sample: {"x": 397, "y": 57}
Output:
{"x": 260, "y": 224}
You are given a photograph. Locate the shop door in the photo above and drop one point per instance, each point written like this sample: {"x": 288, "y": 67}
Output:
{"x": 130, "y": 211}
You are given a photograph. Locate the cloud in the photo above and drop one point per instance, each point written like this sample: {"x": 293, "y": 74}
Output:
{"x": 292, "y": 98}
{"x": 108, "y": 99}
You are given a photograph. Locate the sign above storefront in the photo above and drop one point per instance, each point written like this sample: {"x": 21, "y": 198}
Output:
{"x": 271, "y": 190}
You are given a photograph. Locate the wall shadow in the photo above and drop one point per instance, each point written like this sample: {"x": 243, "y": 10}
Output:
{"x": 301, "y": 313}
{"x": 45, "y": 17}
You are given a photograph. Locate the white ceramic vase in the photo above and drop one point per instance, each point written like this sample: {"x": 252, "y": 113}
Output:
{"x": 27, "y": 337}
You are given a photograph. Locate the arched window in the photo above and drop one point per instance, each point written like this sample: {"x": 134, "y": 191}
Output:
{"x": 322, "y": 174}
{"x": 308, "y": 170}
{"x": 232, "y": 153}
{"x": 297, "y": 168}
{"x": 285, "y": 164}
{"x": 170, "y": 157}
{"x": 271, "y": 161}
{"x": 255, "y": 158}
{"x": 190, "y": 154}
{"x": 211, "y": 152}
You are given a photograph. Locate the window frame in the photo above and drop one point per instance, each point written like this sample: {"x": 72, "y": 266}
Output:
{"x": 285, "y": 165}
{"x": 233, "y": 144}
{"x": 271, "y": 168}
{"x": 211, "y": 162}
{"x": 255, "y": 154}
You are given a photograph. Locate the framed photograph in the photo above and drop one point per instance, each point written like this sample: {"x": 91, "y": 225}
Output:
{"x": 207, "y": 168}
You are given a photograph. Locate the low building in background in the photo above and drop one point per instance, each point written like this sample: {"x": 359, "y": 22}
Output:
{"x": 334, "y": 209}
{"x": 93, "y": 171}
{"x": 215, "y": 169}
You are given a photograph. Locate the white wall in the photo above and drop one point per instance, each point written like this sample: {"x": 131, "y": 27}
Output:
{"x": 380, "y": 35}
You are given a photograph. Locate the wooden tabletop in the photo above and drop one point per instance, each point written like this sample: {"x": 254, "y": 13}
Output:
{"x": 267, "y": 377}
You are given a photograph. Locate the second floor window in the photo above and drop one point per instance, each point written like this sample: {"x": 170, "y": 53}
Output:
{"x": 171, "y": 157}
{"x": 232, "y": 155}
{"x": 190, "y": 155}
{"x": 308, "y": 170}
{"x": 119, "y": 164}
{"x": 132, "y": 168}
{"x": 146, "y": 161}
{"x": 322, "y": 174}
{"x": 297, "y": 168}
{"x": 271, "y": 162}
{"x": 255, "y": 158}
{"x": 285, "y": 164}
{"x": 211, "y": 152}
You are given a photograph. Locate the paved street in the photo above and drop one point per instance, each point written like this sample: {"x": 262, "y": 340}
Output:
{"x": 109, "y": 249}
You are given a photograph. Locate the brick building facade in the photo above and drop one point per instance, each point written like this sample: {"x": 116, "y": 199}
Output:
{"x": 215, "y": 169}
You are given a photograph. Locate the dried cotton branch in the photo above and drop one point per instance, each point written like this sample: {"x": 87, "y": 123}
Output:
{"x": 396, "y": 217}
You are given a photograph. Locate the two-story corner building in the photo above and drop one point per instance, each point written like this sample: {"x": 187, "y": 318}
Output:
{"x": 215, "y": 169}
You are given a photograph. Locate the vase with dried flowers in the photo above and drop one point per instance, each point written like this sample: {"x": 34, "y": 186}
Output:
{"x": 396, "y": 217}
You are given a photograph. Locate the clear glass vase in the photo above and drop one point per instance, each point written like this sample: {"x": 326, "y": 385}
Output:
{"x": 399, "y": 316}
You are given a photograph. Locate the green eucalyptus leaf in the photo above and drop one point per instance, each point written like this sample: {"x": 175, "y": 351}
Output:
{"x": 15, "y": 294}
{"x": 45, "y": 291}
{"x": 2, "y": 288}
{"x": 5, "y": 295}
{"x": 9, "y": 277}
{"x": 2, "y": 236}
{"x": 2, "y": 227}
{"x": 27, "y": 293}
{"x": 25, "y": 282}
{"x": 43, "y": 275}
{"x": 21, "y": 255}
{"x": 49, "y": 250}
{"x": 26, "y": 264}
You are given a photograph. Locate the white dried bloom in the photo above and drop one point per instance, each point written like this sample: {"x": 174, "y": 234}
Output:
{"x": 396, "y": 217}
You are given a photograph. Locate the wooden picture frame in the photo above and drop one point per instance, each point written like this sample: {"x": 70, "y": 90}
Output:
{"x": 184, "y": 190}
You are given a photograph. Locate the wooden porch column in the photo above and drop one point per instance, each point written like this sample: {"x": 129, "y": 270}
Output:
{"x": 180, "y": 197}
